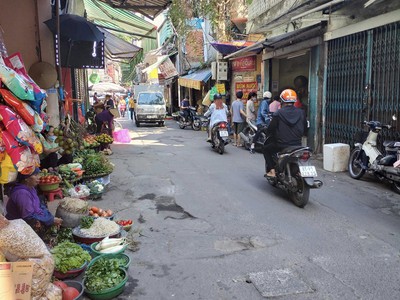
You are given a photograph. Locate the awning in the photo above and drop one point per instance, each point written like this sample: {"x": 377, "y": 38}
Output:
{"x": 289, "y": 38}
{"x": 226, "y": 48}
{"x": 149, "y": 8}
{"x": 117, "y": 19}
{"x": 118, "y": 49}
{"x": 196, "y": 79}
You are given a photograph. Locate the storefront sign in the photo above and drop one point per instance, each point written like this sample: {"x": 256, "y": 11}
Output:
{"x": 220, "y": 88}
{"x": 246, "y": 88}
{"x": 244, "y": 64}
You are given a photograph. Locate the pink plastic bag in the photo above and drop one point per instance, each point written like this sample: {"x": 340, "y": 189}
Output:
{"x": 122, "y": 136}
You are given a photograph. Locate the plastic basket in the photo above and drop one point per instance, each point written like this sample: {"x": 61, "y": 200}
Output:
{"x": 122, "y": 136}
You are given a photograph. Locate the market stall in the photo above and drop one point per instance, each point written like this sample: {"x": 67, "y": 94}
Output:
{"x": 70, "y": 254}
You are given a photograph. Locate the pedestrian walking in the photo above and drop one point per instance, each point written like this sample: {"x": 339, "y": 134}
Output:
{"x": 131, "y": 105}
{"x": 238, "y": 117}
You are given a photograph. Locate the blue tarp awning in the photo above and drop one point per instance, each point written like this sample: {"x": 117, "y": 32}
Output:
{"x": 196, "y": 79}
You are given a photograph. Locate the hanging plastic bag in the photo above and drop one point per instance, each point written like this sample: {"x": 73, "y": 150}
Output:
{"x": 8, "y": 171}
{"x": 23, "y": 158}
{"x": 23, "y": 109}
{"x": 22, "y": 133}
{"x": 16, "y": 83}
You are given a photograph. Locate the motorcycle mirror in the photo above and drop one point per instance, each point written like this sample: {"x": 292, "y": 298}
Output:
{"x": 394, "y": 118}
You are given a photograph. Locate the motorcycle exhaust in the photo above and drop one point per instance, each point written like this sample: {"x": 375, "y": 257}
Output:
{"x": 244, "y": 137}
{"x": 317, "y": 184}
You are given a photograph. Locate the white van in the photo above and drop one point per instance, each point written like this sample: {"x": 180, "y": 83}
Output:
{"x": 150, "y": 107}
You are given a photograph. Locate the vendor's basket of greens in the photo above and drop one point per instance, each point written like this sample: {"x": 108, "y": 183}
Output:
{"x": 104, "y": 279}
{"x": 70, "y": 260}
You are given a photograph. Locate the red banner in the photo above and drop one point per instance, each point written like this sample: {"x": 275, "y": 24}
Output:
{"x": 246, "y": 88}
{"x": 244, "y": 64}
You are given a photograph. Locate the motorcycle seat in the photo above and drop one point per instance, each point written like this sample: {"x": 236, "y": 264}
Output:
{"x": 291, "y": 149}
{"x": 391, "y": 144}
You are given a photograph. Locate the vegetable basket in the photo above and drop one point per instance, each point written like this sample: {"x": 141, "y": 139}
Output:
{"x": 77, "y": 285}
{"x": 71, "y": 273}
{"x": 48, "y": 187}
{"x": 125, "y": 259}
{"x": 79, "y": 238}
{"x": 108, "y": 293}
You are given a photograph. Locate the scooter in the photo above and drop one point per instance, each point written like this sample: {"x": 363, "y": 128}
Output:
{"x": 295, "y": 174}
{"x": 220, "y": 137}
{"x": 366, "y": 157}
{"x": 193, "y": 119}
{"x": 248, "y": 134}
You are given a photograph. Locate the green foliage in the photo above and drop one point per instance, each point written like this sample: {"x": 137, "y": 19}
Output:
{"x": 103, "y": 274}
{"x": 68, "y": 256}
{"x": 86, "y": 222}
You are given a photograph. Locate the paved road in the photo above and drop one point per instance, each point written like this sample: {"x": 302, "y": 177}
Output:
{"x": 212, "y": 228}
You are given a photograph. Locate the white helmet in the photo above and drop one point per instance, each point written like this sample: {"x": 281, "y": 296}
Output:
{"x": 267, "y": 94}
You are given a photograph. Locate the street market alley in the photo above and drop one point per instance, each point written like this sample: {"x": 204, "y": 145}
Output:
{"x": 209, "y": 226}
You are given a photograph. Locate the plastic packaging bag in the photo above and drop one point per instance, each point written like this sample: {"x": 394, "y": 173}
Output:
{"x": 24, "y": 110}
{"x": 8, "y": 171}
{"x": 79, "y": 191}
{"x": 16, "y": 83}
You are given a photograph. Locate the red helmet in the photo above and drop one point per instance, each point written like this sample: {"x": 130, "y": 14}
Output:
{"x": 288, "y": 96}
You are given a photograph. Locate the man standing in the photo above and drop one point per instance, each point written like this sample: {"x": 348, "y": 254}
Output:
{"x": 263, "y": 118}
{"x": 238, "y": 117}
{"x": 250, "y": 110}
{"x": 287, "y": 127}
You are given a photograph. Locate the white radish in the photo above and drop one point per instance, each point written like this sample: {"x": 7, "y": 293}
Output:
{"x": 113, "y": 249}
{"x": 108, "y": 243}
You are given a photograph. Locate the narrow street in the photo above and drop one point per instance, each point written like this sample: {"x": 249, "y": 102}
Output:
{"x": 210, "y": 227}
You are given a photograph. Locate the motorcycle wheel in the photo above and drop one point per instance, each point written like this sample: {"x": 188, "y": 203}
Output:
{"x": 196, "y": 125}
{"x": 355, "y": 169}
{"x": 247, "y": 133}
{"x": 300, "y": 197}
{"x": 221, "y": 147}
{"x": 181, "y": 123}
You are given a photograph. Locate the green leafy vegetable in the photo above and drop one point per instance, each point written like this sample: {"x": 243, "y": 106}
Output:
{"x": 103, "y": 274}
{"x": 86, "y": 222}
{"x": 65, "y": 235}
{"x": 68, "y": 256}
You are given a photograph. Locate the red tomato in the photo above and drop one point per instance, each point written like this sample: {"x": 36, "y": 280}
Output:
{"x": 70, "y": 293}
{"x": 129, "y": 222}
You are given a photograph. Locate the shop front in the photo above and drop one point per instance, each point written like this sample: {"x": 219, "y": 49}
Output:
{"x": 246, "y": 76}
{"x": 195, "y": 86}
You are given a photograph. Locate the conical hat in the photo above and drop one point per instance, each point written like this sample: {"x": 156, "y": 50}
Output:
{"x": 44, "y": 74}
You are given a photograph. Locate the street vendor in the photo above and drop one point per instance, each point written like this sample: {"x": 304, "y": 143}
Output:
{"x": 104, "y": 119}
{"x": 24, "y": 203}
{"x": 49, "y": 157}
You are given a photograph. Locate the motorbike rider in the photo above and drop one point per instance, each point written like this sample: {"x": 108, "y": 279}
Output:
{"x": 185, "y": 107}
{"x": 218, "y": 112}
{"x": 287, "y": 127}
{"x": 263, "y": 118}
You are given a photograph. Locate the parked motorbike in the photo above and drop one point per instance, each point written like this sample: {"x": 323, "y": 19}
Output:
{"x": 248, "y": 134}
{"x": 193, "y": 119}
{"x": 366, "y": 157}
{"x": 220, "y": 136}
{"x": 295, "y": 174}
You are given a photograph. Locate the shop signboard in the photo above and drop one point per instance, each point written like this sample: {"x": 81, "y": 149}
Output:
{"x": 246, "y": 88}
{"x": 220, "y": 88}
{"x": 244, "y": 64}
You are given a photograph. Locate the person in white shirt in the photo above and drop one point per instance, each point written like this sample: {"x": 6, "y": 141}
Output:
{"x": 218, "y": 112}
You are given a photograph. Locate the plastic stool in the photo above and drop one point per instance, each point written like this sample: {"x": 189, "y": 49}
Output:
{"x": 50, "y": 195}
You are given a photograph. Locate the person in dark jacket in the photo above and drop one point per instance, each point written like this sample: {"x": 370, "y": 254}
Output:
{"x": 287, "y": 127}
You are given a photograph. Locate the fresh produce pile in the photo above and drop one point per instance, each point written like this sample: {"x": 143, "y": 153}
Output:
{"x": 111, "y": 245}
{"x": 67, "y": 144}
{"x": 90, "y": 141}
{"x": 96, "y": 164}
{"x": 96, "y": 187}
{"x": 75, "y": 205}
{"x": 102, "y": 275}
{"x": 86, "y": 222}
{"x": 68, "y": 256}
{"x": 64, "y": 235}
{"x": 104, "y": 139}
{"x": 70, "y": 172}
{"x": 124, "y": 222}
{"x": 48, "y": 179}
{"x": 98, "y": 212}
{"x": 101, "y": 227}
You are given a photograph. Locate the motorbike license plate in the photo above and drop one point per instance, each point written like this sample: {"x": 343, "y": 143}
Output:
{"x": 308, "y": 171}
{"x": 223, "y": 133}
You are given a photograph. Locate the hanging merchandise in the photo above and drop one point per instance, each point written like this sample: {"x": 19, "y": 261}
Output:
{"x": 22, "y": 133}
{"x": 23, "y": 158}
{"x": 8, "y": 171}
{"x": 23, "y": 109}
{"x": 16, "y": 63}
{"x": 16, "y": 83}
{"x": 39, "y": 124}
